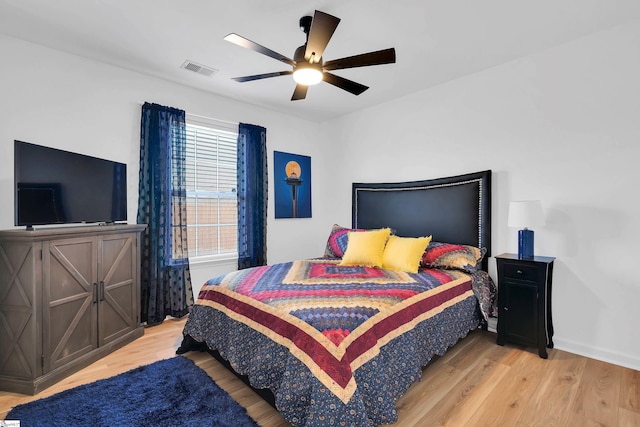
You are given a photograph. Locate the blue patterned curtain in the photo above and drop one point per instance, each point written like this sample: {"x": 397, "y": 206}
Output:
{"x": 165, "y": 276}
{"x": 252, "y": 196}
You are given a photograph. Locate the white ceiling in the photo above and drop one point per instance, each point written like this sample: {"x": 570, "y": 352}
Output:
{"x": 435, "y": 40}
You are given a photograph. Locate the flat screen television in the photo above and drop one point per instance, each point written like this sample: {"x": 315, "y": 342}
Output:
{"x": 60, "y": 187}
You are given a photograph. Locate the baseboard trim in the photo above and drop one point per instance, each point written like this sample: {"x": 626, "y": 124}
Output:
{"x": 603, "y": 355}
{"x": 492, "y": 324}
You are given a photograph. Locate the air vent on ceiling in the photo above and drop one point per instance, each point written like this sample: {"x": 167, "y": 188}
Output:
{"x": 198, "y": 68}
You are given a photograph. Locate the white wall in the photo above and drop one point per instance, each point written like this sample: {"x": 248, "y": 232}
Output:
{"x": 55, "y": 99}
{"x": 562, "y": 126}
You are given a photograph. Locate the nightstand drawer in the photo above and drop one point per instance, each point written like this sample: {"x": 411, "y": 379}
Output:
{"x": 521, "y": 272}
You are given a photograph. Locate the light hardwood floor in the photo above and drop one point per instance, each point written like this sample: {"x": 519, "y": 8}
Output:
{"x": 477, "y": 383}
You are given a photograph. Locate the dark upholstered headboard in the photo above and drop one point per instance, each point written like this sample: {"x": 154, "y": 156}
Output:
{"x": 455, "y": 209}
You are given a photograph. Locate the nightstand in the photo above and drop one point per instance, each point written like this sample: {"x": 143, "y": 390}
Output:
{"x": 524, "y": 301}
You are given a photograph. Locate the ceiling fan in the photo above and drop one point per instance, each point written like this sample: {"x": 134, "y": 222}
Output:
{"x": 308, "y": 66}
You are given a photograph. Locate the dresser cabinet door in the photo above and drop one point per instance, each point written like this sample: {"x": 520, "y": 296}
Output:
{"x": 70, "y": 300}
{"x": 118, "y": 272}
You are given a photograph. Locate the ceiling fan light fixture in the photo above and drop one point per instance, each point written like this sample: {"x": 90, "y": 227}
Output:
{"x": 308, "y": 74}
{"x": 308, "y": 67}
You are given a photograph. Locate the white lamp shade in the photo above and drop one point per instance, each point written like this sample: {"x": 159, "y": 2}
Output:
{"x": 525, "y": 213}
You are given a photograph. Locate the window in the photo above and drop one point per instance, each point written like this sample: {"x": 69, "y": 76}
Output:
{"x": 212, "y": 210}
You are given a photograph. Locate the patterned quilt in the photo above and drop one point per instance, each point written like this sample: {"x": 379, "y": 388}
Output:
{"x": 334, "y": 343}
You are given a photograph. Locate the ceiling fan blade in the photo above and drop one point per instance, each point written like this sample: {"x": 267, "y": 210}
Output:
{"x": 322, "y": 27}
{"x": 300, "y": 92}
{"x": 261, "y": 76}
{"x": 386, "y": 56}
{"x": 244, "y": 42}
{"x": 345, "y": 84}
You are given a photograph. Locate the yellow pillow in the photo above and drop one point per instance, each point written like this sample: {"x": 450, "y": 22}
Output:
{"x": 365, "y": 248}
{"x": 404, "y": 253}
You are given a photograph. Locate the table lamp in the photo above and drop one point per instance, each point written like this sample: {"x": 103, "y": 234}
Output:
{"x": 525, "y": 213}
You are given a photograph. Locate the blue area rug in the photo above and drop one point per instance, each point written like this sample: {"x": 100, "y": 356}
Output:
{"x": 172, "y": 392}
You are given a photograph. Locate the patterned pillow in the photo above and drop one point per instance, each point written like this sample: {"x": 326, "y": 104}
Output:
{"x": 337, "y": 242}
{"x": 448, "y": 255}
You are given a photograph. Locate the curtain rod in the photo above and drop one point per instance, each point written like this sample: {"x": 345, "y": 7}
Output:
{"x": 202, "y": 117}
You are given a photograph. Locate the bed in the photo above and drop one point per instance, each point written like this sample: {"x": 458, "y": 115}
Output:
{"x": 334, "y": 342}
